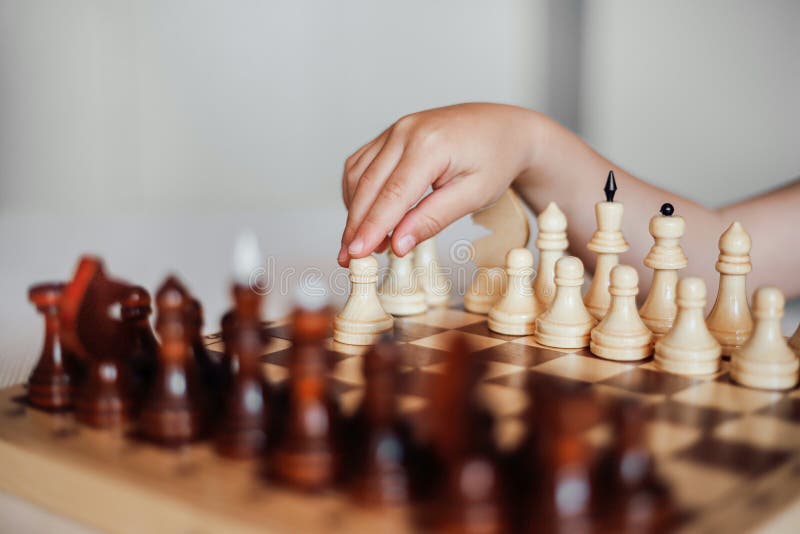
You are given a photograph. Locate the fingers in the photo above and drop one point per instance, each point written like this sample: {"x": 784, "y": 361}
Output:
{"x": 354, "y": 165}
{"x": 416, "y": 170}
{"x": 436, "y": 211}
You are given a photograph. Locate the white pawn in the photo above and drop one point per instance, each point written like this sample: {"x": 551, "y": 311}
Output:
{"x": 517, "y": 309}
{"x": 362, "y": 320}
{"x": 551, "y": 242}
{"x": 622, "y": 335}
{"x": 608, "y": 242}
{"x": 730, "y": 321}
{"x": 426, "y": 263}
{"x": 400, "y": 293}
{"x": 566, "y": 324}
{"x": 689, "y": 348}
{"x": 665, "y": 258}
{"x": 765, "y": 360}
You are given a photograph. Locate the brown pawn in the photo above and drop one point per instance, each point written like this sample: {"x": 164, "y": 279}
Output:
{"x": 561, "y": 500}
{"x": 242, "y": 431}
{"x": 50, "y": 386}
{"x": 135, "y": 309}
{"x": 381, "y": 440}
{"x": 306, "y": 455}
{"x": 470, "y": 499}
{"x": 172, "y": 413}
{"x": 210, "y": 368}
{"x": 630, "y": 496}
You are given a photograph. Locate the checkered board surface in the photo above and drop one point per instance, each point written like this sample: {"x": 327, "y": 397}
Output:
{"x": 730, "y": 454}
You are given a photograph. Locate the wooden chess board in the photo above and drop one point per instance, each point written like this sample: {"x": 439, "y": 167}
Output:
{"x": 731, "y": 455}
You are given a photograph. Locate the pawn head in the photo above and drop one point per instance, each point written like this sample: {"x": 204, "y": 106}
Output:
{"x": 624, "y": 277}
{"x": 519, "y": 258}
{"x": 768, "y": 302}
{"x": 569, "y": 267}
{"x": 367, "y": 266}
{"x": 692, "y": 290}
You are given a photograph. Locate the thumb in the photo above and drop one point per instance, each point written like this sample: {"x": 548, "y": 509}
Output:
{"x": 435, "y": 212}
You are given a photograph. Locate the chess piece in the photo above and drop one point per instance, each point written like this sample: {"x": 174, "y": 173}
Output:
{"x": 621, "y": 334}
{"x": 362, "y": 320}
{"x": 306, "y": 455}
{"x": 551, "y": 242}
{"x": 508, "y": 222}
{"x": 401, "y": 293}
{"x": 689, "y": 348}
{"x": 608, "y": 242}
{"x": 434, "y": 284}
{"x": 515, "y": 312}
{"x": 794, "y": 341}
{"x": 136, "y": 308}
{"x": 665, "y": 258}
{"x": 631, "y": 496}
{"x": 381, "y": 439}
{"x": 104, "y": 398}
{"x": 173, "y": 410}
{"x": 730, "y": 320}
{"x": 765, "y": 360}
{"x": 50, "y": 386}
{"x": 566, "y": 323}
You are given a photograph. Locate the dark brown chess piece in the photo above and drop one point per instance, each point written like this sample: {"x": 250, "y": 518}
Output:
{"x": 51, "y": 386}
{"x": 105, "y": 398}
{"x": 306, "y": 455}
{"x": 630, "y": 496}
{"x": 210, "y": 368}
{"x": 379, "y": 455}
{"x": 172, "y": 413}
{"x": 562, "y": 496}
{"x": 471, "y": 496}
{"x": 242, "y": 431}
{"x": 136, "y": 309}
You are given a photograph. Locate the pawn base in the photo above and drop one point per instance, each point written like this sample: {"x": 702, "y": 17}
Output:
{"x": 764, "y": 375}
{"x": 562, "y": 336}
{"x": 361, "y": 332}
{"x": 402, "y": 305}
{"x": 626, "y": 348}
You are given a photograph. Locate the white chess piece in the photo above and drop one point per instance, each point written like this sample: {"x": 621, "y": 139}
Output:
{"x": 665, "y": 258}
{"x": 566, "y": 323}
{"x": 794, "y": 341}
{"x": 517, "y": 309}
{"x": 689, "y": 348}
{"x": 434, "y": 284}
{"x": 400, "y": 292}
{"x": 730, "y": 320}
{"x": 362, "y": 320}
{"x": 621, "y": 334}
{"x": 608, "y": 242}
{"x": 551, "y": 242}
{"x": 488, "y": 285}
{"x": 765, "y": 360}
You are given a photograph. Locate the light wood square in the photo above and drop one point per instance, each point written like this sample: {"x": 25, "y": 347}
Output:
{"x": 274, "y": 373}
{"x": 726, "y": 396}
{"x": 502, "y": 401}
{"x": 723, "y": 368}
{"x": 350, "y": 370}
{"x": 445, "y": 340}
{"x": 583, "y": 368}
{"x": 646, "y": 398}
{"x": 446, "y": 318}
{"x": 531, "y": 341}
{"x": 761, "y": 431}
{"x": 696, "y": 485}
{"x": 664, "y": 438}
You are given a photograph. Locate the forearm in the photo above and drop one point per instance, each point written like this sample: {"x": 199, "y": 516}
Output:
{"x": 564, "y": 169}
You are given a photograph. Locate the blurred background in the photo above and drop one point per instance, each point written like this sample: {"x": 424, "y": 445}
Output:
{"x": 151, "y": 131}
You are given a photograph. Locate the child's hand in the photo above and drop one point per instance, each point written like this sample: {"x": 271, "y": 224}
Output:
{"x": 468, "y": 153}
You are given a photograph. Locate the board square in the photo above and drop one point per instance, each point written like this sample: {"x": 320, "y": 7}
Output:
{"x": 696, "y": 485}
{"x": 739, "y": 458}
{"x": 649, "y": 382}
{"x": 445, "y": 341}
{"x": 726, "y": 396}
{"x": 446, "y": 318}
{"x": 482, "y": 329}
{"x": 518, "y": 354}
{"x": 534, "y": 379}
{"x": 760, "y": 431}
{"x": 588, "y": 369}
{"x": 531, "y": 341}
{"x": 414, "y": 355}
{"x": 788, "y": 409}
{"x": 405, "y": 330}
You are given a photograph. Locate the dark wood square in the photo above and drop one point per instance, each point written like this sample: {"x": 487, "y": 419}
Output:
{"x": 281, "y": 357}
{"x": 417, "y": 383}
{"x": 419, "y": 356}
{"x": 649, "y": 382}
{"x": 284, "y": 331}
{"x": 687, "y": 414}
{"x": 481, "y": 328}
{"x": 405, "y": 330}
{"x": 739, "y": 458}
{"x": 788, "y": 409}
{"x": 534, "y": 379}
{"x": 518, "y": 354}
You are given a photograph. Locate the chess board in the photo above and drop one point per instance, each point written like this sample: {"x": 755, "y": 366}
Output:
{"x": 731, "y": 455}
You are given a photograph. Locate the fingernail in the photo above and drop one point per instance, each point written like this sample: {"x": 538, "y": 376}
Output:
{"x": 356, "y": 246}
{"x": 405, "y": 244}
{"x": 342, "y": 253}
